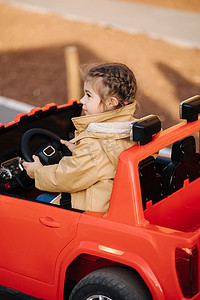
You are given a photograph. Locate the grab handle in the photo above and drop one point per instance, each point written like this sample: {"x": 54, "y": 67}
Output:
{"x": 49, "y": 222}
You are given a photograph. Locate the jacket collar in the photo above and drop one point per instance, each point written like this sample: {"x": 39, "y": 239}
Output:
{"x": 122, "y": 114}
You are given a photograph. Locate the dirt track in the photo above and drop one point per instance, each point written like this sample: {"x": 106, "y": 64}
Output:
{"x": 32, "y": 66}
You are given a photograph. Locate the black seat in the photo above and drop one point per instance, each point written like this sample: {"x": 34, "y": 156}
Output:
{"x": 152, "y": 184}
{"x": 185, "y": 163}
{"x": 161, "y": 163}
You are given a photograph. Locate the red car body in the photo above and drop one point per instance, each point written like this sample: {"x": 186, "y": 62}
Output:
{"x": 44, "y": 247}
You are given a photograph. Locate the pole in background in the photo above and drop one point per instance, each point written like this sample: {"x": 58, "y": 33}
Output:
{"x": 72, "y": 73}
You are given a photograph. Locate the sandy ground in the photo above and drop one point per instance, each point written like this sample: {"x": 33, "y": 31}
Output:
{"x": 33, "y": 70}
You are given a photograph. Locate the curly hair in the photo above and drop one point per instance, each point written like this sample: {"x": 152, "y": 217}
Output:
{"x": 112, "y": 79}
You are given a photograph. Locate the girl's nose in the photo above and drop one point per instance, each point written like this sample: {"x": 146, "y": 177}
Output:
{"x": 82, "y": 100}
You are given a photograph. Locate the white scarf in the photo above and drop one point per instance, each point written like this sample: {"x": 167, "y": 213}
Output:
{"x": 110, "y": 127}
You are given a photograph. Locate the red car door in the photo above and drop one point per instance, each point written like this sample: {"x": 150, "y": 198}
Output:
{"x": 32, "y": 236}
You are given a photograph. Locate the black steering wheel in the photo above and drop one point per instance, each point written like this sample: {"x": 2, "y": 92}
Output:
{"x": 48, "y": 146}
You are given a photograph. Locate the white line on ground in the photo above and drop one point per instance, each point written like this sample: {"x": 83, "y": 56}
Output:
{"x": 15, "y": 105}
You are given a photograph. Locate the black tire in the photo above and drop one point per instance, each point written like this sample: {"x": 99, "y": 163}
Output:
{"x": 111, "y": 284}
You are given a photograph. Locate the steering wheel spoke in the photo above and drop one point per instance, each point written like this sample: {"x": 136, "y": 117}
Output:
{"x": 50, "y": 151}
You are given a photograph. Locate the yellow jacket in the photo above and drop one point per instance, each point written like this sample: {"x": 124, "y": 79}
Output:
{"x": 88, "y": 174}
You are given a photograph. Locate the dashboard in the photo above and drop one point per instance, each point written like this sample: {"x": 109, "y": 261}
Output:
{"x": 10, "y": 168}
{"x": 13, "y": 177}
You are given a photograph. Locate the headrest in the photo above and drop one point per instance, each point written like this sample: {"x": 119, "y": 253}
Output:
{"x": 183, "y": 149}
{"x": 147, "y": 169}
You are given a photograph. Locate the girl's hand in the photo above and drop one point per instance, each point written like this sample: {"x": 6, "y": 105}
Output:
{"x": 68, "y": 144}
{"x": 31, "y": 166}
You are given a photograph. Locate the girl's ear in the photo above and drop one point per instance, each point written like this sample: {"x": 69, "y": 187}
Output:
{"x": 112, "y": 102}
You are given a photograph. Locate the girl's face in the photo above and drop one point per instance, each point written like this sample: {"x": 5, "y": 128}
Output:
{"x": 91, "y": 101}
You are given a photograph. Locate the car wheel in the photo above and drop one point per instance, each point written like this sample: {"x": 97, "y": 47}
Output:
{"x": 111, "y": 284}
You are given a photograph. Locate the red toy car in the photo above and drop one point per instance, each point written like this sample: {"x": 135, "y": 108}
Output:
{"x": 145, "y": 247}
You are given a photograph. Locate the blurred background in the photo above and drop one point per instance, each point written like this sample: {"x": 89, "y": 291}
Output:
{"x": 34, "y": 67}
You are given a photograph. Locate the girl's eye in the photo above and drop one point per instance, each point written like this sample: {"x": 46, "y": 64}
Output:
{"x": 88, "y": 95}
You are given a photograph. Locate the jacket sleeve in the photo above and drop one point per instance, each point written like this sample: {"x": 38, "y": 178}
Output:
{"x": 72, "y": 173}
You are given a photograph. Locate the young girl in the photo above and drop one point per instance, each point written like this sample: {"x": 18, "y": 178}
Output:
{"x": 102, "y": 133}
